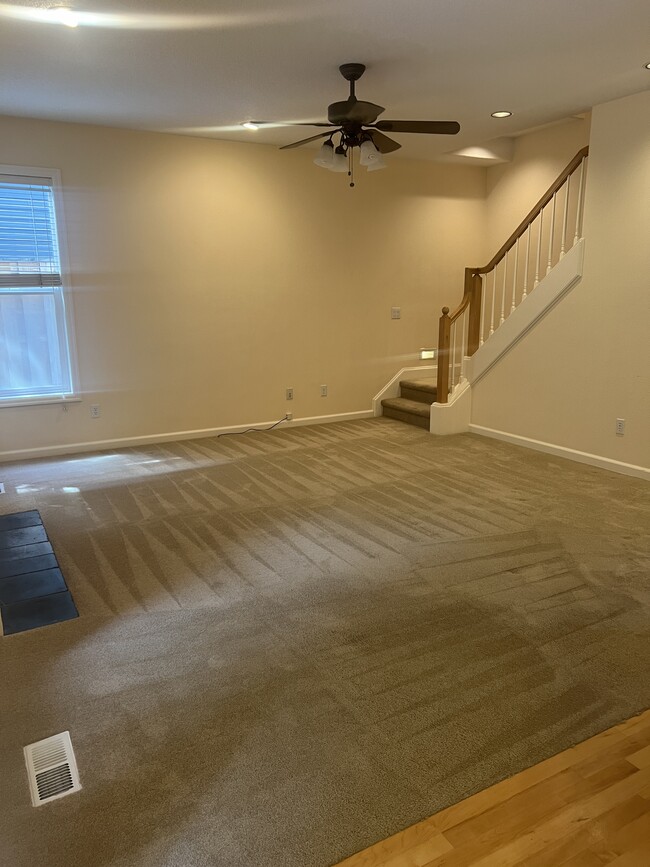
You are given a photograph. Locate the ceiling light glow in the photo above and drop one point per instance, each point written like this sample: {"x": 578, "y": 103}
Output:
{"x": 149, "y": 21}
{"x": 647, "y": 65}
{"x": 501, "y": 114}
{"x": 250, "y": 125}
{"x": 64, "y": 15}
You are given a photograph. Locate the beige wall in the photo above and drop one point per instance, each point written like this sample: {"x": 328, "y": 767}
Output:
{"x": 209, "y": 276}
{"x": 514, "y": 188}
{"x": 588, "y": 362}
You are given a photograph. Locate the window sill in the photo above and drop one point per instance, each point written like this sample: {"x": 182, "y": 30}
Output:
{"x": 40, "y": 401}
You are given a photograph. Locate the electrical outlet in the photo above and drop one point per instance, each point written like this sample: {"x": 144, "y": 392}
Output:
{"x": 323, "y": 391}
{"x": 94, "y": 410}
{"x": 620, "y": 427}
{"x": 289, "y": 394}
{"x": 288, "y": 416}
{"x": 395, "y": 312}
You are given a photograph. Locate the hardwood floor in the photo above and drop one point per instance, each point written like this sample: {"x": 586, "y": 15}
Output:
{"x": 585, "y": 807}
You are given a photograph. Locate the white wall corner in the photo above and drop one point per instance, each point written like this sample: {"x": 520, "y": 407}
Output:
{"x": 391, "y": 389}
{"x": 454, "y": 416}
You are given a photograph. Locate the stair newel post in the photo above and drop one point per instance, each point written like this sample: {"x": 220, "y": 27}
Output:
{"x": 474, "y": 284}
{"x": 444, "y": 341}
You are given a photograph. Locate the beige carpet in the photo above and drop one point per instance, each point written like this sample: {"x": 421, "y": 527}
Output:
{"x": 293, "y": 644}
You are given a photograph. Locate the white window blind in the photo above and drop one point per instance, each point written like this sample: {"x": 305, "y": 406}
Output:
{"x": 34, "y": 351}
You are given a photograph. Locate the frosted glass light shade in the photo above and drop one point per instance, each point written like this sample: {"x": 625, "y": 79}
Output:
{"x": 377, "y": 163}
{"x": 368, "y": 153}
{"x": 339, "y": 161}
{"x": 325, "y": 156}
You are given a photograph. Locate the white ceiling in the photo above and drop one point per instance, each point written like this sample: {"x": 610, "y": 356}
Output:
{"x": 201, "y": 67}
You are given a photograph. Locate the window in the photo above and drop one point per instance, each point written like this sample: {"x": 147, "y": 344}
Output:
{"x": 35, "y": 345}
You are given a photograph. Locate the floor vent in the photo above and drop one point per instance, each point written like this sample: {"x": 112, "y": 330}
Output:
{"x": 51, "y": 768}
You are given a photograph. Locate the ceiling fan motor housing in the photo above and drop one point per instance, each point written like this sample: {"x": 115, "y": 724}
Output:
{"x": 352, "y": 71}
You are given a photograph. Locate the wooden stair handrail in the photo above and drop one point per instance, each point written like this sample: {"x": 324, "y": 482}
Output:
{"x": 473, "y": 286}
{"x": 534, "y": 213}
{"x": 467, "y": 297}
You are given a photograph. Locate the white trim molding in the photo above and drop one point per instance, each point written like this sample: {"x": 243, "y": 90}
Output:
{"x": 452, "y": 417}
{"x": 391, "y": 389}
{"x": 564, "y": 452}
{"x": 127, "y": 442}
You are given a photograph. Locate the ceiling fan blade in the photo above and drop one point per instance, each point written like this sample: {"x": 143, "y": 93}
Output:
{"x": 365, "y": 112}
{"x": 303, "y": 141}
{"x": 288, "y": 123}
{"x": 431, "y": 127}
{"x": 353, "y": 111}
{"x": 383, "y": 144}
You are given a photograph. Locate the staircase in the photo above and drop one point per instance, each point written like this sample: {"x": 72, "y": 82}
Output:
{"x": 546, "y": 248}
{"x": 495, "y": 291}
{"x": 413, "y": 404}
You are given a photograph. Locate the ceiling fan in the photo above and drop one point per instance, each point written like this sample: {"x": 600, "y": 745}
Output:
{"x": 356, "y": 122}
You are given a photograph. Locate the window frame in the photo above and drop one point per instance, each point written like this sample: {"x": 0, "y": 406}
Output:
{"x": 66, "y": 294}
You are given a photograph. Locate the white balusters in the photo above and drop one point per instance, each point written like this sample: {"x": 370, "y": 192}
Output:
{"x": 518, "y": 284}
{"x": 482, "y": 323}
{"x": 452, "y": 377}
{"x": 551, "y": 233}
{"x": 494, "y": 292}
{"x": 565, "y": 217}
{"x": 539, "y": 247}
{"x": 525, "y": 292}
{"x": 514, "y": 278}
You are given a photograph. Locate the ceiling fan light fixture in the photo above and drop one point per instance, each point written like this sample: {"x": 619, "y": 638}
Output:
{"x": 325, "y": 156}
{"x": 376, "y": 163}
{"x": 339, "y": 160}
{"x": 368, "y": 153}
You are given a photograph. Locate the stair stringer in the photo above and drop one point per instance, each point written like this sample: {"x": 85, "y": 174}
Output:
{"x": 454, "y": 416}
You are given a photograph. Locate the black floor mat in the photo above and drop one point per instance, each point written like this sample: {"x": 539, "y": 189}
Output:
{"x": 33, "y": 591}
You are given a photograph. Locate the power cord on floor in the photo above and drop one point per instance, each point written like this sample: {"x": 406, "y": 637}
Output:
{"x": 234, "y": 433}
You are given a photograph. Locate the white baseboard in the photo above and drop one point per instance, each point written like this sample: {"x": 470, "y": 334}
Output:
{"x": 126, "y": 442}
{"x": 564, "y": 452}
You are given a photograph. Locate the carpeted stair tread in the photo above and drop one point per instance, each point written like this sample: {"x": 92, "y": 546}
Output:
{"x": 402, "y": 404}
{"x": 409, "y": 411}
{"x": 427, "y": 385}
{"x": 420, "y": 390}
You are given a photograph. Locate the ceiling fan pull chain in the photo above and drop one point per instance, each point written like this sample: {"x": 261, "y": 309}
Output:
{"x": 351, "y": 166}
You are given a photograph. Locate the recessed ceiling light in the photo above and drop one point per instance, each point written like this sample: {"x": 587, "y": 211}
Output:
{"x": 64, "y": 15}
{"x": 250, "y": 125}
{"x": 501, "y": 114}
{"x": 647, "y": 65}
